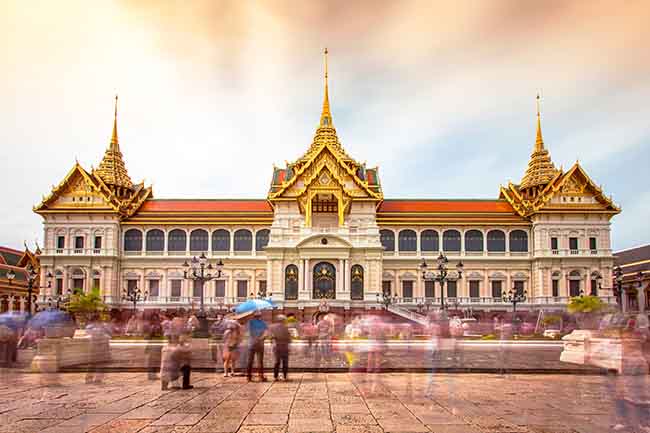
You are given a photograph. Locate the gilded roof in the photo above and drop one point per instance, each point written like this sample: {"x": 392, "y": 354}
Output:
{"x": 112, "y": 169}
{"x": 540, "y": 169}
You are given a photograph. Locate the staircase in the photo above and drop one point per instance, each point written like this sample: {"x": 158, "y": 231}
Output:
{"x": 409, "y": 315}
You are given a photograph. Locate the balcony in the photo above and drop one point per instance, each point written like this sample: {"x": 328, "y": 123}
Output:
{"x": 80, "y": 251}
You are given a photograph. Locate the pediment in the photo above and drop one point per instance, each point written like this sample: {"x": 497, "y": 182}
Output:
{"x": 324, "y": 242}
{"x": 77, "y": 191}
{"x": 325, "y": 169}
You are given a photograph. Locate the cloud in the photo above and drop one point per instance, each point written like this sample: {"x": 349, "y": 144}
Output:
{"x": 212, "y": 93}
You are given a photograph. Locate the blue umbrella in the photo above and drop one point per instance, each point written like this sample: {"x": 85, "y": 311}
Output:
{"x": 253, "y": 304}
{"x": 13, "y": 319}
{"x": 48, "y": 318}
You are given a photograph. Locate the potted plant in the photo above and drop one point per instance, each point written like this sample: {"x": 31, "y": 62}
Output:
{"x": 587, "y": 310}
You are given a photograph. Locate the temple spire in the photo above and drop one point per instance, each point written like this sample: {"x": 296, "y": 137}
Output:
{"x": 115, "y": 144}
{"x": 540, "y": 167}
{"x": 326, "y": 116}
{"x": 112, "y": 169}
{"x": 539, "y": 142}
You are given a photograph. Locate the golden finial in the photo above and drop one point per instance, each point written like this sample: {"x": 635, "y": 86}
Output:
{"x": 326, "y": 116}
{"x": 539, "y": 142}
{"x": 114, "y": 140}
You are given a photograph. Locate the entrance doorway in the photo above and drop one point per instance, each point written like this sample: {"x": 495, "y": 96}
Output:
{"x": 324, "y": 281}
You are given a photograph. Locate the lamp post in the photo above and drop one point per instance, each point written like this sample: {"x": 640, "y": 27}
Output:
{"x": 514, "y": 297}
{"x": 618, "y": 286}
{"x": 134, "y": 296}
{"x": 31, "y": 278}
{"x": 200, "y": 270}
{"x": 441, "y": 274}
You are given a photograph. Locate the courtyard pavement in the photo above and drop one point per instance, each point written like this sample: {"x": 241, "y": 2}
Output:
{"x": 316, "y": 402}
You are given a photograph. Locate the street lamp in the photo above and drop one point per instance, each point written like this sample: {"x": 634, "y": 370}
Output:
{"x": 200, "y": 270}
{"x": 134, "y": 296}
{"x": 514, "y": 297}
{"x": 618, "y": 285}
{"x": 31, "y": 278}
{"x": 441, "y": 274}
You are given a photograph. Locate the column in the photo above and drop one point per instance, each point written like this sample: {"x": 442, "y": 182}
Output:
{"x": 301, "y": 276}
{"x": 396, "y": 289}
{"x": 209, "y": 251}
{"x": 253, "y": 282}
{"x": 254, "y": 244}
{"x": 308, "y": 287}
{"x": 232, "y": 243}
{"x": 269, "y": 281}
{"x": 340, "y": 277}
{"x": 166, "y": 242}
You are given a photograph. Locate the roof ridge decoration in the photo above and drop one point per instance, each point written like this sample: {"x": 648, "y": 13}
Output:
{"x": 540, "y": 167}
{"x": 112, "y": 169}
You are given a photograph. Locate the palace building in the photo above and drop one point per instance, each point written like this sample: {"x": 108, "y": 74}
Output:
{"x": 325, "y": 231}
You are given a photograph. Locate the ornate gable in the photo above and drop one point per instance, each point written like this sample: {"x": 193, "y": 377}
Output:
{"x": 325, "y": 174}
{"x": 571, "y": 191}
{"x": 79, "y": 190}
{"x": 106, "y": 189}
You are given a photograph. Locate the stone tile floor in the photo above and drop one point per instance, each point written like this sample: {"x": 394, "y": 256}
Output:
{"x": 319, "y": 402}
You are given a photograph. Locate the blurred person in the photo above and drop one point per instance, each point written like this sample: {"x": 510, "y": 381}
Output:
{"x": 309, "y": 332}
{"x": 176, "y": 363}
{"x": 7, "y": 335}
{"x": 506, "y": 332}
{"x": 376, "y": 344}
{"x": 98, "y": 333}
{"x": 152, "y": 350}
{"x": 281, "y": 338}
{"x": 217, "y": 330}
{"x": 256, "y": 332}
{"x": 231, "y": 341}
{"x": 324, "y": 328}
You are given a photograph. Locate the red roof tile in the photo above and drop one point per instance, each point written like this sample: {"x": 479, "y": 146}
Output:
{"x": 172, "y": 205}
{"x": 448, "y": 206}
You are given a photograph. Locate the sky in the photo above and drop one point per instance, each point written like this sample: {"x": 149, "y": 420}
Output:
{"x": 439, "y": 95}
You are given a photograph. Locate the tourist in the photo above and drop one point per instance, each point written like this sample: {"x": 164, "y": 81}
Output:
{"x": 281, "y": 338}
{"x": 231, "y": 340}
{"x": 257, "y": 331}
{"x": 175, "y": 362}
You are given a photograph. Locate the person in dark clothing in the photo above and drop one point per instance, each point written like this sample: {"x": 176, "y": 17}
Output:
{"x": 256, "y": 333}
{"x": 282, "y": 338}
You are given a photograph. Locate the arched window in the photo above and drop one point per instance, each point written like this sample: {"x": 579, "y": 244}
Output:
{"x": 155, "y": 240}
{"x": 496, "y": 241}
{"x": 356, "y": 286}
{"x": 451, "y": 240}
{"x": 262, "y": 239}
{"x": 518, "y": 241}
{"x": 408, "y": 240}
{"x": 133, "y": 240}
{"x": 199, "y": 240}
{"x": 221, "y": 240}
{"x": 291, "y": 283}
{"x": 177, "y": 241}
{"x": 387, "y": 238}
{"x": 429, "y": 240}
{"x": 473, "y": 240}
{"x": 243, "y": 240}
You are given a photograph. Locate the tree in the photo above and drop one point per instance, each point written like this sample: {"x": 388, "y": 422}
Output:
{"x": 585, "y": 304}
{"x": 86, "y": 305}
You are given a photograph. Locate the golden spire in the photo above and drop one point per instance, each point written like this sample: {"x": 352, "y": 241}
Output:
{"x": 326, "y": 116}
{"x": 112, "y": 169}
{"x": 540, "y": 167}
{"x": 539, "y": 142}
{"x": 115, "y": 144}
